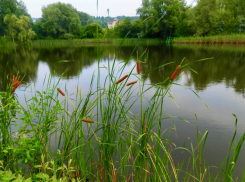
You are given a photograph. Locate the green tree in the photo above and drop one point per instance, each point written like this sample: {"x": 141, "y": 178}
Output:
{"x": 123, "y": 27}
{"x": 182, "y": 28}
{"x": 93, "y": 30}
{"x": 19, "y": 28}
{"x": 10, "y": 6}
{"x": 63, "y": 18}
{"x": 37, "y": 28}
{"x": 145, "y": 12}
{"x": 85, "y": 18}
{"x": 168, "y": 10}
{"x": 209, "y": 18}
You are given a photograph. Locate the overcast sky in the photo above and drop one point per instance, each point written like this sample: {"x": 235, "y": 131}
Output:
{"x": 116, "y": 7}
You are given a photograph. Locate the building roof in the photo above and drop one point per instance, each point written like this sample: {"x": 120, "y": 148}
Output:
{"x": 111, "y": 21}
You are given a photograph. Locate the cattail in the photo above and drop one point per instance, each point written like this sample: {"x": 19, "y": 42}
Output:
{"x": 120, "y": 80}
{"x": 87, "y": 121}
{"x": 60, "y": 91}
{"x": 175, "y": 72}
{"x": 131, "y": 83}
{"x": 15, "y": 80}
{"x": 138, "y": 67}
{"x": 15, "y": 86}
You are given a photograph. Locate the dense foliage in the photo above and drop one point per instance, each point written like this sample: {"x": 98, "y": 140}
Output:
{"x": 208, "y": 17}
{"x": 19, "y": 28}
{"x": 156, "y": 19}
{"x": 10, "y": 7}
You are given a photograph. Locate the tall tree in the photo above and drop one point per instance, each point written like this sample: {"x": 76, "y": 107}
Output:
{"x": 85, "y": 18}
{"x": 62, "y": 17}
{"x": 167, "y": 11}
{"x": 19, "y": 28}
{"x": 123, "y": 28}
{"x": 10, "y": 6}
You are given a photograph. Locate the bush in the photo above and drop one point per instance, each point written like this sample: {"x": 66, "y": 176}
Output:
{"x": 93, "y": 30}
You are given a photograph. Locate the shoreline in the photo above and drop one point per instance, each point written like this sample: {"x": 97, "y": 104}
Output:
{"x": 58, "y": 42}
{"x": 237, "y": 39}
{"x": 211, "y": 42}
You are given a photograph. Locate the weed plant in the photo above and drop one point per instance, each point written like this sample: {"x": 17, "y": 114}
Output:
{"x": 100, "y": 138}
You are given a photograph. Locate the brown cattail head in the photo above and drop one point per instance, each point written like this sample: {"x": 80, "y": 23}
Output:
{"x": 60, "y": 91}
{"x": 121, "y": 79}
{"x": 175, "y": 72}
{"x": 131, "y": 83}
{"x": 138, "y": 67}
{"x": 15, "y": 80}
{"x": 15, "y": 85}
{"x": 87, "y": 121}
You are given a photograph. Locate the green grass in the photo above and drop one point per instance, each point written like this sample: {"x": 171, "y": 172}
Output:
{"x": 6, "y": 43}
{"x": 94, "y": 41}
{"x": 85, "y": 42}
{"x": 119, "y": 146}
{"x": 215, "y": 39}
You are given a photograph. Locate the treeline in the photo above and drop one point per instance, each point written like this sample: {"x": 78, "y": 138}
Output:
{"x": 156, "y": 19}
{"x": 208, "y": 17}
{"x": 15, "y": 22}
{"x": 102, "y": 21}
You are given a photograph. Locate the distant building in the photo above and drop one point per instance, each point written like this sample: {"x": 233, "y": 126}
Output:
{"x": 112, "y": 23}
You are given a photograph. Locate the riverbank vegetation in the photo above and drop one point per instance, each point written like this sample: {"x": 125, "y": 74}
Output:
{"x": 215, "y": 39}
{"x": 211, "y": 20}
{"x": 86, "y": 42}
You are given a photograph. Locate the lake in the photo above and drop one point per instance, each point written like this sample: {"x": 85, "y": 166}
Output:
{"x": 220, "y": 83}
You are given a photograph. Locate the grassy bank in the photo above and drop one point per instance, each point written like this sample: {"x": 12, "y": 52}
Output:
{"x": 61, "y": 136}
{"x": 6, "y": 43}
{"x": 95, "y": 42}
{"x": 62, "y": 42}
{"x": 214, "y": 47}
{"x": 216, "y": 39}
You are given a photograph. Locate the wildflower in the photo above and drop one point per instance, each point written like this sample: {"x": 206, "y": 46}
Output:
{"x": 131, "y": 83}
{"x": 87, "y": 121}
{"x": 120, "y": 80}
{"x": 60, "y": 91}
{"x": 138, "y": 67}
{"x": 175, "y": 72}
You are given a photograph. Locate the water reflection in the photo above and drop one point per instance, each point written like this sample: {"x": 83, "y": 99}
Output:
{"x": 227, "y": 64}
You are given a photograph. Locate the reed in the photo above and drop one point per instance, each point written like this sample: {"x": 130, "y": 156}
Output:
{"x": 120, "y": 145}
{"x": 87, "y": 121}
{"x": 138, "y": 67}
{"x": 61, "y": 92}
{"x": 85, "y": 42}
{"x": 131, "y": 83}
{"x": 175, "y": 72}
{"x": 52, "y": 144}
{"x": 121, "y": 79}
{"x": 215, "y": 39}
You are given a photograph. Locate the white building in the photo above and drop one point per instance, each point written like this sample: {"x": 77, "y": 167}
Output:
{"x": 112, "y": 23}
